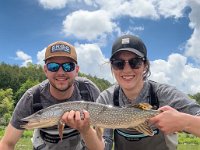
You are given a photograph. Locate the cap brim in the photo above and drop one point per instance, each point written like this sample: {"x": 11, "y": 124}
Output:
{"x": 61, "y": 56}
{"x": 130, "y": 50}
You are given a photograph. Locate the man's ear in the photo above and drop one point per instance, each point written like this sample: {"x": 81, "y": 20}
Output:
{"x": 45, "y": 69}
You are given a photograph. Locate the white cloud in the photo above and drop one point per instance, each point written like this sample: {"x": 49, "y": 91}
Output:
{"x": 89, "y": 2}
{"x": 176, "y": 71}
{"x": 102, "y": 21}
{"x": 88, "y": 25}
{"x": 53, "y": 4}
{"x": 137, "y": 28}
{"x": 132, "y": 8}
{"x": 24, "y": 57}
{"x": 40, "y": 56}
{"x": 193, "y": 44}
{"x": 168, "y": 8}
{"x": 93, "y": 62}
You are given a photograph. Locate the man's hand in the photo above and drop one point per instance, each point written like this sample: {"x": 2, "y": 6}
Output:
{"x": 77, "y": 120}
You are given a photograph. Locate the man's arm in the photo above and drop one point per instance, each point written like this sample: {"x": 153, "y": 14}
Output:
{"x": 82, "y": 124}
{"x": 171, "y": 120}
{"x": 10, "y": 138}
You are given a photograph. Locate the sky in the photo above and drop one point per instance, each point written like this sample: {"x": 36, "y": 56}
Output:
{"x": 169, "y": 29}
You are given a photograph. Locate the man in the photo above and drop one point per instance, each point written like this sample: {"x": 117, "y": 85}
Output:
{"x": 62, "y": 85}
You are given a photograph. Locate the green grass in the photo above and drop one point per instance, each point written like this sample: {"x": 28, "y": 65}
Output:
{"x": 184, "y": 138}
{"x": 186, "y": 141}
{"x": 24, "y": 142}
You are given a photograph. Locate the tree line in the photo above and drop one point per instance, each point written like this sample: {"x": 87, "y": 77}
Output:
{"x": 15, "y": 80}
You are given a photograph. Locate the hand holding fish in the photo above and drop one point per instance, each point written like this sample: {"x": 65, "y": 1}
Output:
{"x": 170, "y": 120}
{"x": 77, "y": 120}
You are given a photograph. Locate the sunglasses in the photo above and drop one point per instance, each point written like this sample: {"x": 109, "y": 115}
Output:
{"x": 135, "y": 63}
{"x": 67, "y": 67}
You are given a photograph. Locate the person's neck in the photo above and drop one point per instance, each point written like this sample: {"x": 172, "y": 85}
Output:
{"x": 61, "y": 95}
{"x": 133, "y": 93}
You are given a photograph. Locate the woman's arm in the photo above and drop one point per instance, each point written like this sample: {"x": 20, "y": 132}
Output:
{"x": 171, "y": 120}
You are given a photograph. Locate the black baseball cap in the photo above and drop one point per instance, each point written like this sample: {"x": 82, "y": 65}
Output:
{"x": 129, "y": 43}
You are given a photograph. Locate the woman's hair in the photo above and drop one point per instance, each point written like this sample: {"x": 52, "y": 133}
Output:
{"x": 147, "y": 71}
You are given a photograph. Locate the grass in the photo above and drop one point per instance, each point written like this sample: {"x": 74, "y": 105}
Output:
{"x": 24, "y": 142}
{"x": 186, "y": 141}
{"x": 184, "y": 138}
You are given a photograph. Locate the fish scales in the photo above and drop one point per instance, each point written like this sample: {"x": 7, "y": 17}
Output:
{"x": 101, "y": 115}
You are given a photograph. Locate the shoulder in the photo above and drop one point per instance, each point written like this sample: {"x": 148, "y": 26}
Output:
{"x": 28, "y": 95}
{"x": 87, "y": 88}
{"x": 86, "y": 82}
{"x": 107, "y": 95}
{"x": 162, "y": 87}
{"x": 169, "y": 95}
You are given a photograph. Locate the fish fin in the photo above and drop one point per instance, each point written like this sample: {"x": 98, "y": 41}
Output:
{"x": 143, "y": 106}
{"x": 99, "y": 132}
{"x": 131, "y": 129}
{"x": 144, "y": 128}
{"x": 61, "y": 126}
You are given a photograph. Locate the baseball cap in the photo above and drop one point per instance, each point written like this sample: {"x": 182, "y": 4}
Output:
{"x": 129, "y": 43}
{"x": 60, "y": 48}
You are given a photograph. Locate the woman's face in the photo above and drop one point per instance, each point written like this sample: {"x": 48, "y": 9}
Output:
{"x": 127, "y": 77}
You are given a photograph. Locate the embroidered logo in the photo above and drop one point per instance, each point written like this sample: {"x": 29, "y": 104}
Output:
{"x": 125, "y": 41}
{"x": 60, "y": 47}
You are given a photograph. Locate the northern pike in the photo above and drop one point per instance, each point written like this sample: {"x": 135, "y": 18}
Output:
{"x": 101, "y": 116}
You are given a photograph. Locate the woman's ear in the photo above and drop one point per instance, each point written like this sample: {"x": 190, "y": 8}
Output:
{"x": 77, "y": 69}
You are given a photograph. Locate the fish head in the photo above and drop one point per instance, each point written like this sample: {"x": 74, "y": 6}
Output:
{"x": 44, "y": 118}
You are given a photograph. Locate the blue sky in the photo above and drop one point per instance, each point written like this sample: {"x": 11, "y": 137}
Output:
{"x": 170, "y": 30}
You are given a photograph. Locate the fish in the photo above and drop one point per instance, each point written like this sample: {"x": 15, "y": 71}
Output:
{"x": 101, "y": 116}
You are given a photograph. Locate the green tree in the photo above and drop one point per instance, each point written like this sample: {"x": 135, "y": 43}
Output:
{"x": 13, "y": 76}
{"x": 6, "y": 105}
{"x": 23, "y": 88}
{"x": 196, "y": 97}
{"x": 102, "y": 84}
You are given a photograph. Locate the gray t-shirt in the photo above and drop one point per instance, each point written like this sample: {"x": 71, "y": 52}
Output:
{"x": 167, "y": 95}
{"x": 24, "y": 108}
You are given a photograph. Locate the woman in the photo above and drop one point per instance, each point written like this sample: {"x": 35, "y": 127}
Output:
{"x": 130, "y": 66}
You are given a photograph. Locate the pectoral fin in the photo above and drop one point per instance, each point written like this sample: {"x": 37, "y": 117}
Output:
{"x": 145, "y": 129}
{"x": 61, "y": 126}
{"x": 143, "y": 106}
{"x": 99, "y": 132}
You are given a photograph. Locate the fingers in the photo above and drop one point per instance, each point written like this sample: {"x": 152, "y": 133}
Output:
{"x": 165, "y": 108}
{"x": 86, "y": 115}
{"x": 75, "y": 118}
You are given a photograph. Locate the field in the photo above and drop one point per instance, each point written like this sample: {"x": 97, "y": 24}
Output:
{"x": 186, "y": 141}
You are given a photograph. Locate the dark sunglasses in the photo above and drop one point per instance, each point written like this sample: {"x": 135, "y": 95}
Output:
{"x": 135, "y": 63}
{"x": 67, "y": 67}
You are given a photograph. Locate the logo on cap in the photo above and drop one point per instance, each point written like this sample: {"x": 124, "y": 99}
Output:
{"x": 60, "y": 47}
{"x": 125, "y": 41}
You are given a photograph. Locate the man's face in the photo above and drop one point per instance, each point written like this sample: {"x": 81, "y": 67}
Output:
{"x": 60, "y": 79}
